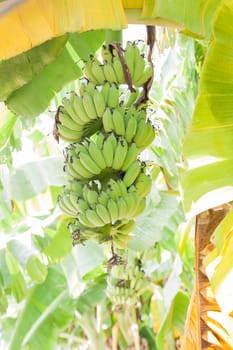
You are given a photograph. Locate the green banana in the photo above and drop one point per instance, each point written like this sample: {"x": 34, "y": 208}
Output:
{"x": 87, "y": 70}
{"x": 143, "y": 184}
{"x": 105, "y": 91}
{"x": 84, "y": 220}
{"x": 81, "y": 169}
{"x": 68, "y": 107}
{"x": 141, "y": 133}
{"x": 109, "y": 72}
{"x": 107, "y": 120}
{"x": 80, "y": 110}
{"x": 139, "y": 65}
{"x": 147, "y": 74}
{"x": 72, "y": 174}
{"x": 103, "y": 213}
{"x": 117, "y": 66}
{"x": 100, "y": 138}
{"x": 113, "y": 210}
{"x": 89, "y": 164}
{"x": 97, "y": 71}
{"x": 120, "y": 153}
{"x": 131, "y": 128}
{"x": 113, "y": 96}
{"x": 106, "y": 53}
{"x": 131, "y": 173}
{"x": 131, "y": 156}
{"x": 96, "y": 155}
{"x": 127, "y": 228}
{"x": 68, "y": 122}
{"x": 129, "y": 57}
{"x": 89, "y": 106}
{"x": 103, "y": 198}
{"x": 122, "y": 208}
{"x": 92, "y": 197}
{"x": 118, "y": 122}
{"x": 68, "y": 134}
{"x": 94, "y": 218}
{"x": 150, "y": 135}
{"x": 108, "y": 152}
{"x": 99, "y": 101}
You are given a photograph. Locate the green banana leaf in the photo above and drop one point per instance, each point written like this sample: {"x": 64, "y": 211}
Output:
{"x": 19, "y": 70}
{"x": 208, "y": 179}
{"x": 193, "y": 17}
{"x": 34, "y": 97}
{"x": 46, "y": 312}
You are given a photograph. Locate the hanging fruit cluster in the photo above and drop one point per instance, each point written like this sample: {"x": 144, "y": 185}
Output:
{"x": 106, "y": 126}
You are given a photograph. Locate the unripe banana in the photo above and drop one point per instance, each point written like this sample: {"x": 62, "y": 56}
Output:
{"x": 89, "y": 164}
{"x": 68, "y": 107}
{"x": 127, "y": 228}
{"x": 87, "y": 70}
{"x": 105, "y": 91}
{"x": 108, "y": 152}
{"x": 68, "y": 122}
{"x": 94, "y": 218}
{"x": 139, "y": 65}
{"x": 66, "y": 206}
{"x": 117, "y": 66}
{"x": 80, "y": 110}
{"x": 84, "y": 220}
{"x": 99, "y": 101}
{"x": 109, "y": 73}
{"x": 103, "y": 198}
{"x": 92, "y": 197}
{"x": 113, "y": 210}
{"x": 147, "y": 74}
{"x": 80, "y": 169}
{"x": 129, "y": 57}
{"x": 143, "y": 184}
{"x": 120, "y": 153}
{"x": 131, "y": 173}
{"x": 107, "y": 121}
{"x": 71, "y": 173}
{"x": 100, "y": 138}
{"x": 96, "y": 155}
{"x": 131, "y": 129}
{"x": 97, "y": 71}
{"x": 89, "y": 106}
{"x": 103, "y": 213}
{"x": 118, "y": 122}
{"x": 113, "y": 96}
{"x": 106, "y": 53}
{"x": 122, "y": 208}
{"x": 68, "y": 134}
{"x": 131, "y": 156}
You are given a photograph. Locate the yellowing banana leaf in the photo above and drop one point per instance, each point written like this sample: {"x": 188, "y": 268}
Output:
{"x": 207, "y": 182}
{"x": 218, "y": 264}
{"x": 34, "y": 97}
{"x": 36, "y": 21}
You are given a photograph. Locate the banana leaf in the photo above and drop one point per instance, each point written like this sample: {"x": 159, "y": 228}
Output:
{"x": 207, "y": 181}
{"x": 36, "y": 21}
{"x": 33, "y": 97}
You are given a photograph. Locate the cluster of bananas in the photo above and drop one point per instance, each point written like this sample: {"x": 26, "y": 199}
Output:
{"x": 110, "y": 69}
{"x": 124, "y": 287}
{"x": 107, "y": 183}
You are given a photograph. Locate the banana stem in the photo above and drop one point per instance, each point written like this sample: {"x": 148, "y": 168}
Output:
{"x": 88, "y": 324}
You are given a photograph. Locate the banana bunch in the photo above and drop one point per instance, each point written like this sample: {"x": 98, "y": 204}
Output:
{"x": 124, "y": 287}
{"x": 107, "y": 183}
{"x": 111, "y": 69}
{"x": 101, "y": 158}
{"x": 119, "y": 233}
{"x": 81, "y": 114}
{"x": 97, "y": 207}
{"x": 131, "y": 124}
